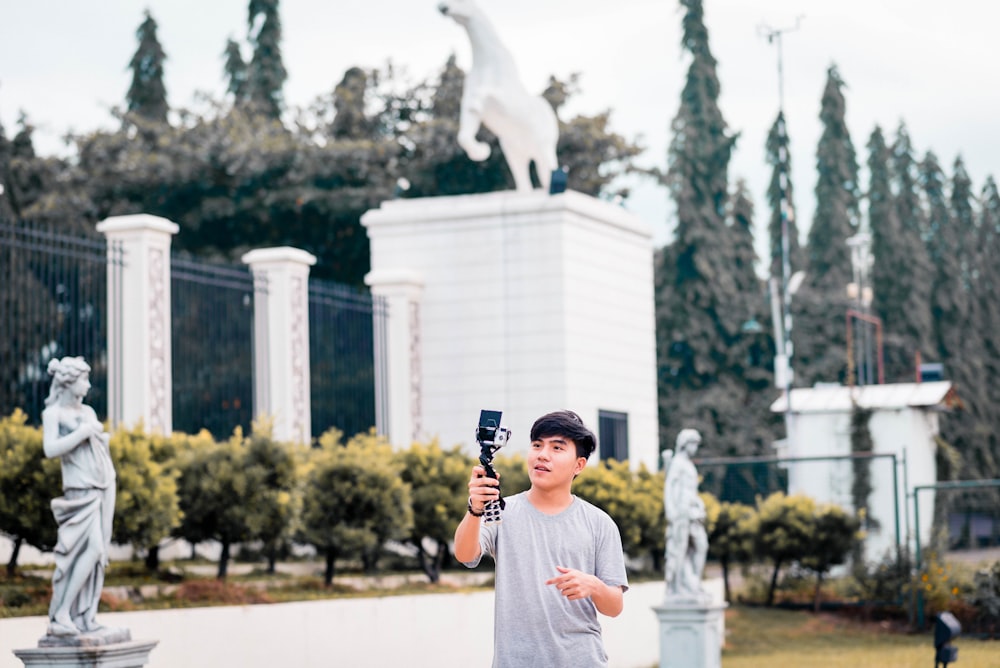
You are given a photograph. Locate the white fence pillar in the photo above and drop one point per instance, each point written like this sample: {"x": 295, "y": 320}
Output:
{"x": 140, "y": 383}
{"x": 402, "y": 291}
{"x": 281, "y": 360}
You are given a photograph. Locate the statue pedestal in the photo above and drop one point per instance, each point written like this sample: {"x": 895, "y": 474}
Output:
{"x": 690, "y": 633}
{"x": 131, "y": 654}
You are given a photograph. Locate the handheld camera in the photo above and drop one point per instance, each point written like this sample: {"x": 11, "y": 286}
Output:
{"x": 491, "y": 437}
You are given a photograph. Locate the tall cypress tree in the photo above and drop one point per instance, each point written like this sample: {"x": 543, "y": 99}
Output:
{"x": 949, "y": 297}
{"x": 700, "y": 311}
{"x": 984, "y": 294}
{"x": 147, "y": 96}
{"x": 266, "y": 73}
{"x": 821, "y": 304}
{"x": 892, "y": 275}
{"x": 781, "y": 193}
{"x": 755, "y": 362}
{"x": 236, "y": 73}
{"x": 908, "y": 320}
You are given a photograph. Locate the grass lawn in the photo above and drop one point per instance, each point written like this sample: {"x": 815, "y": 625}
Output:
{"x": 767, "y": 638}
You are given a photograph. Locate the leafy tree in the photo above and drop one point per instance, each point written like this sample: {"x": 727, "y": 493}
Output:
{"x": 821, "y": 303}
{"x": 28, "y": 482}
{"x": 611, "y": 486}
{"x": 218, "y": 494}
{"x": 648, "y": 488}
{"x": 835, "y": 533}
{"x": 266, "y": 72}
{"x": 147, "y": 95}
{"x": 351, "y": 120}
{"x": 147, "y": 507}
{"x": 438, "y": 480}
{"x": 732, "y": 538}
{"x": 354, "y": 499}
{"x": 277, "y": 501}
{"x": 781, "y": 197}
{"x": 513, "y": 471}
{"x": 784, "y": 532}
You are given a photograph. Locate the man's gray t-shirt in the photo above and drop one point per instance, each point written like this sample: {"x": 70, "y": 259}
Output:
{"x": 535, "y": 624}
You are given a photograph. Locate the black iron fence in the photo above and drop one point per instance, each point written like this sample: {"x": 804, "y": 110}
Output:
{"x": 212, "y": 308}
{"x": 54, "y": 296}
{"x": 343, "y": 354}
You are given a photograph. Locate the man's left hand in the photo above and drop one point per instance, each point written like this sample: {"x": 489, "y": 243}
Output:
{"x": 574, "y": 584}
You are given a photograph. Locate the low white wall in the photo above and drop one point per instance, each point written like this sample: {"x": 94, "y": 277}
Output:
{"x": 431, "y": 631}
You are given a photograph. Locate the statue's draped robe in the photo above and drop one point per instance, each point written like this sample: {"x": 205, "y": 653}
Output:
{"x": 84, "y": 514}
{"x": 681, "y": 492}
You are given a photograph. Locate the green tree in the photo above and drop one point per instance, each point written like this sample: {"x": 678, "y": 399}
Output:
{"x": 821, "y": 303}
{"x": 611, "y": 486}
{"x": 28, "y": 482}
{"x": 781, "y": 198}
{"x": 835, "y": 534}
{"x": 984, "y": 291}
{"x": 354, "y": 499}
{"x": 236, "y": 73}
{"x": 648, "y": 488}
{"x": 732, "y": 539}
{"x": 147, "y": 507}
{"x": 903, "y": 271}
{"x": 278, "y": 499}
{"x": 784, "y": 532}
{"x": 438, "y": 481}
{"x": 147, "y": 95}
{"x": 218, "y": 494}
{"x": 351, "y": 120}
{"x": 513, "y": 471}
{"x": 266, "y": 72}
{"x": 700, "y": 309}
{"x": 949, "y": 298}
{"x": 861, "y": 469}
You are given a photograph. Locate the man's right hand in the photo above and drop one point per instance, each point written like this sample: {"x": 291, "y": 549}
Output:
{"x": 482, "y": 489}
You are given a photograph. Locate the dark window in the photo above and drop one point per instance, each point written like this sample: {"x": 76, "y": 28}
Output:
{"x": 613, "y": 435}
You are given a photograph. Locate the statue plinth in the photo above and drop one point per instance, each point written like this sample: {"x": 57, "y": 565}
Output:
{"x": 104, "y": 636}
{"x": 131, "y": 654}
{"x": 690, "y": 632}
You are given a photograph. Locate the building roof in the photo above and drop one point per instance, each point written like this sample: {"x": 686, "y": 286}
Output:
{"x": 839, "y": 398}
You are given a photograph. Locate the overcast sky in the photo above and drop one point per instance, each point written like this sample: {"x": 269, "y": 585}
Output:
{"x": 932, "y": 64}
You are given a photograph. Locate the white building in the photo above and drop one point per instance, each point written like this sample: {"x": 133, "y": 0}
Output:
{"x": 519, "y": 302}
{"x": 904, "y": 422}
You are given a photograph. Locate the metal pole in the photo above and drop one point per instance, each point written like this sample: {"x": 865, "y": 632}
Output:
{"x": 774, "y": 37}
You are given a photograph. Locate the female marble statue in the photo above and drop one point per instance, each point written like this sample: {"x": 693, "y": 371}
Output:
{"x": 687, "y": 542}
{"x": 71, "y": 431}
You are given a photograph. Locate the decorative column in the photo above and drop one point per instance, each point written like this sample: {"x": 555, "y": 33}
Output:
{"x": 281, "y": 359}
{"x": 402, "y": 290}
{"x": 140, "y": 382}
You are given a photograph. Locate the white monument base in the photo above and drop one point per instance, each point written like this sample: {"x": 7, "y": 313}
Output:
{"x": 133, "y": 654}
{"x": 690, "y": 634}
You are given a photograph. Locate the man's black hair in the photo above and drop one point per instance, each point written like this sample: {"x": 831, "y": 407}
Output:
{"x": 569, "y": 425}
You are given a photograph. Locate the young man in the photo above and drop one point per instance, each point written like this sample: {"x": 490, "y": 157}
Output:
{"x": 558, "y": 558}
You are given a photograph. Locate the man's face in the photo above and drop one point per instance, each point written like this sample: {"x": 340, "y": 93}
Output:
{"x": 553, "y": 462}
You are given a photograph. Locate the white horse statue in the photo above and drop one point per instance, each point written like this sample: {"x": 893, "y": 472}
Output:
{"x": 493, "y": 95}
